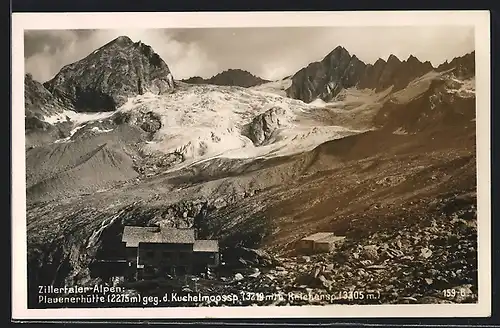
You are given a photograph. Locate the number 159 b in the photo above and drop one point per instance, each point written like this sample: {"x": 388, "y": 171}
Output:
{"x": 454, "y": 292}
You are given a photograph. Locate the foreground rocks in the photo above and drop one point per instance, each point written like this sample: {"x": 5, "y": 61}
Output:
{"x": 433, "y": 260}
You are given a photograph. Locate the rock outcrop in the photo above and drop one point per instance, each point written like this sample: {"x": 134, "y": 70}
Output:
{"x": 105, "y": 79}
{"x": 263, "y": 125}
{"x": 230, "y": 77}
{"x": 339, "y": 70}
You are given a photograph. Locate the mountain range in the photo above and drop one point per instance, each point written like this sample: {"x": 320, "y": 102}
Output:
{"x": 234, "y": 77}
{"x": 368, "y": 151}
{"x": 339, "y": 70}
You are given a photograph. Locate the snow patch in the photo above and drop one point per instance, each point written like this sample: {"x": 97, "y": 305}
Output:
{"x": 467, "y": 88}
{"x": 99, "y": 130}
{"x": 275, "y": 87}
{"x": 357, "y": 99}
{"x": 205, "y": 121}
{"x": 318, "y": 103}
{"x": 202, "y": 122}
{"x": 298, "y": 140}
{"x": 415, "y": 88}
{"x": 71, "y": 133}
{"x": 77, "y": 118}
{"x": 400, "y": 131}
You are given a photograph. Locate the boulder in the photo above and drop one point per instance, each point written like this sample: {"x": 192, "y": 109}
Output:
{"x": 242, "y": 256}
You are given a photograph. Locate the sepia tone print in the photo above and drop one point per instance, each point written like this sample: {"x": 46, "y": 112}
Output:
{"x": 240, "y": 167}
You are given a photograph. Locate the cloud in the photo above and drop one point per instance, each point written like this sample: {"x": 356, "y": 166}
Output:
{"x": 273, "y": 71}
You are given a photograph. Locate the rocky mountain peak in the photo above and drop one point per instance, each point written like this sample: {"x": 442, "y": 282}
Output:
{"x": 122, "y": 41}
{"x": 392, "y": 60}
{"x": 412, "y": 59}
{"x": 379, "y": 62}
{"x": 325, "y": 79}
{"x": 337, "y": 55}
{"x": 107, "y": 77}
{"x": 338, "y": 52}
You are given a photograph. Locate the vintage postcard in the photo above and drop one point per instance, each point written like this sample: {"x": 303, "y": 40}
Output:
{"x": 239, "y": 165}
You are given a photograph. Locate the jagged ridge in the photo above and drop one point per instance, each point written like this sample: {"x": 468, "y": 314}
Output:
{"x": 339, "y": 70}
{"x": 462, "y": 67}
{"x": 230, "y": 77}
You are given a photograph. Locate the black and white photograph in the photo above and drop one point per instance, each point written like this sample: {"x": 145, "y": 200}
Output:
{"x": 277, "y": 167}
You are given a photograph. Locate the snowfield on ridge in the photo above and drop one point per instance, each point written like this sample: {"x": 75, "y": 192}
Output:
{"x": 203, "y": 122}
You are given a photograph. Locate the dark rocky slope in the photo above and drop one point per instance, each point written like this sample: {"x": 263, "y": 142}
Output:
{"x": 103, "y": 80}
{"x": 462, "y": 67}
{"x": 438, "y": 107}
{"x": 39, "y": 103}
{"x": 230, "y": 77}
{"x": 101, "y": 154}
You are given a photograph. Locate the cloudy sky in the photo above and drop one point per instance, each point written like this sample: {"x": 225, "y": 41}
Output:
{"x": 271, "y": 53}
